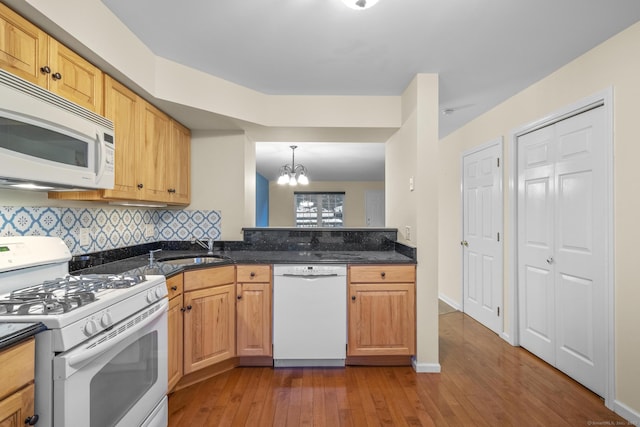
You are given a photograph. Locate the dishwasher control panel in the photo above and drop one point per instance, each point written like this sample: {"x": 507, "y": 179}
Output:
{"x": 310, "y": 270}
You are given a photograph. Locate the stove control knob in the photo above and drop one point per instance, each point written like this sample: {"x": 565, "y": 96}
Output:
{"x": 159, "y": 293}
{"x": 106, "y": 320}
{"x": 151, "y": 297}
{"x": 90, "y": 328}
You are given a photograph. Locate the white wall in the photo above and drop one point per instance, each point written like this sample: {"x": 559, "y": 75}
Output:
{"x": 412, "y": 152}
{"x": 281, "y": 207}
{"x": 221, "y": 180}
{"x": 616, "y": 64}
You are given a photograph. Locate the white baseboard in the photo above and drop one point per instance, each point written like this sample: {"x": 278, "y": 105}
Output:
{"x": 451, "y": 302}
{"x": 627, "y": 413}
{"x": 421, "y": 368}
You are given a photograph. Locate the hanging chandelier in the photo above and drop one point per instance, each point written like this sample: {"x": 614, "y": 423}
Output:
{"x": 293, "y": 174}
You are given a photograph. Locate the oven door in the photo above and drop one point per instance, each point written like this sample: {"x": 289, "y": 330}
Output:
{"x": 118, "y": 378}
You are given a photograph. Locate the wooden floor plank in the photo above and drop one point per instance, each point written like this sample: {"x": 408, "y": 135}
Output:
{"x": 484, "y": 382}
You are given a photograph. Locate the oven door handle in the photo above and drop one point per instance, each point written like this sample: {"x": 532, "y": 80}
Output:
{"x": 72, "y": 361}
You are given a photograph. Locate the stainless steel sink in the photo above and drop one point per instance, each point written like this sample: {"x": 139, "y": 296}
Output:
{"x": 191, "y": 260}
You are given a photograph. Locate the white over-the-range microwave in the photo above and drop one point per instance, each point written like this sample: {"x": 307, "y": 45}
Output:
{"x": 49, "y": 143}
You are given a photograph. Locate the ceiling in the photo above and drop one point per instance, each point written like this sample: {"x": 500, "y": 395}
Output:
{"x": 483, "y": 51}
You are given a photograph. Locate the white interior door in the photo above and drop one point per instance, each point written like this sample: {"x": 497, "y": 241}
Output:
{"x": 561, "y": 246}
{"x": 482, "y": 244}
{"x": 374, "y": 208}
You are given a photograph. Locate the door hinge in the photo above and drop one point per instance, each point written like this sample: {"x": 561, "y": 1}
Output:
{"x": 498, "y": 311}
{"x": 498, "y": 161}
{"x": 498, "y": 234}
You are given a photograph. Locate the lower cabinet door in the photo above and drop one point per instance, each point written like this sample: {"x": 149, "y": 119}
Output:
{"x": 253, "y": 317}
{"x": 17, "y": 408}
{"x": 381, "y": 319}
{"x": 209, "y": 326}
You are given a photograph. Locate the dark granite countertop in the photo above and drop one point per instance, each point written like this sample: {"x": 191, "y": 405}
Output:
{"x": 13, "y": 333}
{"x": 140, "y": 264}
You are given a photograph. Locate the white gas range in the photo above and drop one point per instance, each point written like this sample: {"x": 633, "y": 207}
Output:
{"x": 102, "y": 359}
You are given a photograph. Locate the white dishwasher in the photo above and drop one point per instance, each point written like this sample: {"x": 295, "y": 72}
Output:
{"x": 309, "y": 315}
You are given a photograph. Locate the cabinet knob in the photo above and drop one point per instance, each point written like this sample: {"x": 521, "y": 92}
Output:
{"x": 45, "y": 69}
{"x": 140, "y": 186}
{"x": 353, "y": 297}
{"x": 171, "y": 190}
{"x": 56, "y": 76}
{"x": 252, "y": 274}
{"x": 32, "y": 420}
{"x": 239, "y": 297}
{"x": 183, "y": 309}
{"x": 189, "y": 308}
{"x": 174, "y": 288}
{"x": 382, "y": 274}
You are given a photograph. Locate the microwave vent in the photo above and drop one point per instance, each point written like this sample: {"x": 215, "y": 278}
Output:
{"x": 9, "y": 80}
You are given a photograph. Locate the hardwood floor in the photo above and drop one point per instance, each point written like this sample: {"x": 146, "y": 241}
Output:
{"x": 484, "y": 382}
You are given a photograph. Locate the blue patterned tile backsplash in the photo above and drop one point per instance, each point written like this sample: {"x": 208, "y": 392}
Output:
{"x": 86, "y": 230}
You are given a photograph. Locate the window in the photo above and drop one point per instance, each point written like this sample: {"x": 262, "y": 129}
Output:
{"x": 314, "y": 209}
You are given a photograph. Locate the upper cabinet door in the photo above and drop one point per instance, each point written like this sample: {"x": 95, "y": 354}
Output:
{"x": 23, "y": 47}
{"x": 73, "y": 78}
{"x": 123, "y": 107}
{"x": 179, "y": 167}
{"x": 154, "y": 155}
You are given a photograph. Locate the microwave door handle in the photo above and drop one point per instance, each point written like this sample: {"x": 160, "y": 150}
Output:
{"x": 101, "y": 157}
{"x": 78, "y": 360}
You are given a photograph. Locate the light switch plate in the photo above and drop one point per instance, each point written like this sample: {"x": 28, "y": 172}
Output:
{"x": 411, "y": 184}
{"x": 149, "y": 231}
{"x": 407, "y": 232}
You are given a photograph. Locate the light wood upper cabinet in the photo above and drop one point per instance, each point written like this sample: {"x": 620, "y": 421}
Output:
{"x": 209, "y": 317}
{"x": 253, "y": 310}
{"x": 152, "y": 156}
{"x": 73, "y": 78}
{"x": 23, "y": 47}
{"x": 30, "y": 53}
{"x": 178, "y": 177}
{"x": 122, "y": 107}
{"x": 381, "y": 311}
{"x": 17, "y": 389}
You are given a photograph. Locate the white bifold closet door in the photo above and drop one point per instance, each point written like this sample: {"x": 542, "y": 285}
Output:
{"x": 561, "y": 246}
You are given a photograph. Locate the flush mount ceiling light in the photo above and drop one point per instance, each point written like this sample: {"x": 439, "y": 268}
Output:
{"x": 293, "y": 174}
{"x": 360, "y": 4}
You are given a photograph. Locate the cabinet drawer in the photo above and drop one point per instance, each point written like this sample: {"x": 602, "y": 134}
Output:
{"x": 206, "y": 278}
{"x": 17, "y": 367}
{"x": 174, "y": 285}
{"x": 382, "y": 274}
{"x": 253, "y": 273}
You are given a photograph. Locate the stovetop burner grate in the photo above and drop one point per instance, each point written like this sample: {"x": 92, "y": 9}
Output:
{"x": 62, "y": 295}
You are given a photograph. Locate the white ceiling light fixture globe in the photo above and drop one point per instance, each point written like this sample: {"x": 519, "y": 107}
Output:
{"x": 360, "y": 4}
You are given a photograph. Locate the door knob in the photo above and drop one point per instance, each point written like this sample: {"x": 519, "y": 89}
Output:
{"x": 550, "y": 260}
{"x": 464, "y": 243}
